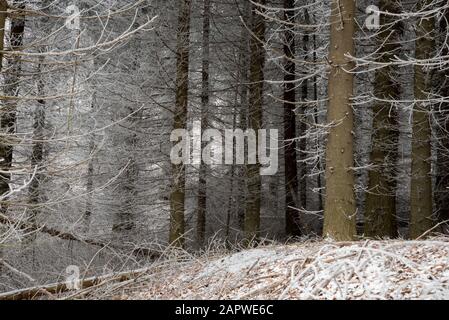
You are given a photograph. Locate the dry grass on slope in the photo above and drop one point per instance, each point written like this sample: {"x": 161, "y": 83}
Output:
{"x": 311, "y": 270}
{"x": 393, "y": 269}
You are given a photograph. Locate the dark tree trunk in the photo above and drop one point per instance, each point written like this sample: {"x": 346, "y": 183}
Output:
{"x": 8, "y": 112}
{"x": 257, "y": 62}
{"x": 292, "y": 215}
{"x": 442, "y": 113}
{"x": 202, "y": 187}
{"x": 421, "y": 215}
{"x": 177, "y": 196}
{"x": 380, "y": 208}
{"x": 37, "y": 153}
{"x": 244, "y": 57}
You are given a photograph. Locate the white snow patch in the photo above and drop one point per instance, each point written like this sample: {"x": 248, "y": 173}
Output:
{"x": 320, "y": 270}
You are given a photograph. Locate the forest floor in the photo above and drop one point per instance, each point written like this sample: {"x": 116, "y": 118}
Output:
{"x": 308, "y": 270}
{"x": 390, "y": 269}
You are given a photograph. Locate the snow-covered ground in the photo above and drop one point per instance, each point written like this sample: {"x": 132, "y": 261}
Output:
{"x": 311, "y": 270}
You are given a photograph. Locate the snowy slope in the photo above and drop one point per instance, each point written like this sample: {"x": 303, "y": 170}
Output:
{"x": 312, "y": 270}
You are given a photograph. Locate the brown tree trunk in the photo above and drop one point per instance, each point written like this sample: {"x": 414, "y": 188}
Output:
{"x": 421, "y": 217}
{"x": 340, "y": 208}
{"x": 202, "y": 187}
{"x": 177, "y": 196}
{"x": 257, "y": 61}
{"x": 442, "y": 112}
{"x": 380, "y": 210}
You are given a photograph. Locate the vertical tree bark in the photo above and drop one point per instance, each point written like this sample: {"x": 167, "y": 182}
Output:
{"x": 340, "y": 207}
{"x": 231, "y": 201}
{"x": 90, "y": 178}
{"x": 257, "y": 61}
{"x": 421, "y": 218}
{"x": 3, "y": 15}
{"x": 292, "y": 216}
{"x": 232, "y": 197}
{"x": 202, "y": 197}
{"x": 380, "y": 208}
{"x": 8, "y": 110}
{"x": 37, "y": 153}
{"x": 89, "y": 187}
{"x": 124, "y": 222}
{"x": 316, "y": 122}
{"x": 303, "y": 121}
{"x": 3, "y": 176}
{"x": 244, "y": 57}
{"x": 177, "y": 196}
{"x": 442, "y": 163}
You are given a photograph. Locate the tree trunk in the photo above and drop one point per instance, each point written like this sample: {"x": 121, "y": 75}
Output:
{"x": 340, "y": 207}
{"x": 303, "y": 126}
{"x": 442, "y": 163}
{"x": 202, "y": 187}
{"x": 380, "y": 220}
{"x": 243, "y": 71}
{"x": 177, "y": 196}
{"x": 292, "y": 216}
{"x": 90, "y": 177}
{"x": 421, "y": 218}
{"x": 37, "y": 153}
{"x": 231, "y": 201}
{"x": 316, "y": 123}
{"x": 124, "y": 219}
{"x": 257, "y": 61}
{"x": 3, "y": 15}
{"x": 8, "y": 112}
{"x": 4, "y": 178}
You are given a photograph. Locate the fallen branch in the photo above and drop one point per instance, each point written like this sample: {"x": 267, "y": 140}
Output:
{"x": 16, "y": 271}
{"x": 61, "y": 287}
{"x": 29, "y": 226}
{"x": 431, "y": 229}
